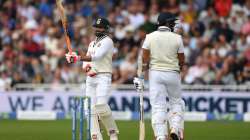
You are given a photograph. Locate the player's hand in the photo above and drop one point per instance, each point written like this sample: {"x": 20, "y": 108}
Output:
{"x": 72, "y": 58}
{"x": 91, "y": 73}
{"x": 86, "y": 66}
{"x": 138, "y": 83}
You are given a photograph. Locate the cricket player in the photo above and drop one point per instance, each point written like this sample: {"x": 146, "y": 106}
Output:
{"x": 163, "y": 55}
{"x": 98, "y": 65}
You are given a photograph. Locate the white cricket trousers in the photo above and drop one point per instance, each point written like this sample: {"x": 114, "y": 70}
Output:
{"x": 98, "y": 88}
{"x": 163, "y": 84}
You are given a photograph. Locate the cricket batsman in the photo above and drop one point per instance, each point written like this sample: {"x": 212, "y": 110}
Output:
{"x": 163, "y": 55}
{"x": 98, "y": 66}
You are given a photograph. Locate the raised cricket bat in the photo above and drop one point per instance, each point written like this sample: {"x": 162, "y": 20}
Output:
{"x": 142, "y": 124}
{"x": 64, "y": 23}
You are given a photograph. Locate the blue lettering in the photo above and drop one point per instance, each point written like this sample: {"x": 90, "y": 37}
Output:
{"x": 215, "y": 105}
{"x": 244, "y": 101}
{"x": 189, "y": 103}
{"x": 147, "y": 106}
{"x": 58, "y": 105}
{"x": 126, "y": 105}
{"x": 72, "y": 102}
{"x": 245, "y": 104}
{"x": 36, "y": 102}
{"x": 19, "y": 104}
{"x": 197, "y": 104}
{"x": 230, "y": 106}
{"x": 113, "y": 104}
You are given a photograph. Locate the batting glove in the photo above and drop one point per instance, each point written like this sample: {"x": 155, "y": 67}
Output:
{"x": 138, "y": 83}
{"x": 72, "y": 58}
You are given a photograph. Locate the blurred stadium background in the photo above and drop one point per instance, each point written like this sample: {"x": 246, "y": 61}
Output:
{"x": 36, "y": 83}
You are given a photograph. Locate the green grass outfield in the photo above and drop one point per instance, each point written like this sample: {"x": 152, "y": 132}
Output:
{"x": 61, "y": 130}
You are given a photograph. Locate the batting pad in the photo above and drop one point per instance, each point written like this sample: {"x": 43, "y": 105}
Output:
{"x": 95, "y": 128}
{"x": 105, "y": 114}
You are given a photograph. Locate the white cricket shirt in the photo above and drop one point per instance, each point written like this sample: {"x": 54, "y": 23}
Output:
{"x": 164, "y": 46}
{"x": 101, "y": 52}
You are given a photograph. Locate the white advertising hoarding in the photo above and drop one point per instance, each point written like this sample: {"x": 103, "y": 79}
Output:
{"x": 125, "y": 100}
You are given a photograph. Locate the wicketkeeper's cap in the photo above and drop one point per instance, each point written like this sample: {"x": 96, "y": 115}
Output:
{"x": 165, "y": 17}
{"x": 101, "y": 23}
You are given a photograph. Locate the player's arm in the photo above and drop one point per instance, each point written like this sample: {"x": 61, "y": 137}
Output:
{"x": 145, "y": 59}
{"x": 143, "y": 65}
{"x": 99, "y": 54}
{"x": 180, "y": 54}
{"x": 87, "y": 58}
{"x": 74, "y": 57}
{"x": 145, "y": 54}
{"x": 86, "y": 66}
{"x": 181, "y": 58}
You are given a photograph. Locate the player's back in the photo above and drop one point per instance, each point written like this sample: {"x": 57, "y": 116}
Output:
{"x": 164, "y": 46}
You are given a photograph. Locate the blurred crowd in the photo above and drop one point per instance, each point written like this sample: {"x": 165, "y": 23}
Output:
{"x": 216, "y": 35}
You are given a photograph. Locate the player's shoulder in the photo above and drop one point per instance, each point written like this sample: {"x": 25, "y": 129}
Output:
{"x": 151, "y": 34}
{"x": 107, "y": 39}
{"x": 175, "y": 34}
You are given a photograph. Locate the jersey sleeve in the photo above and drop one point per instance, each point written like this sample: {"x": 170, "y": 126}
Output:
{"x": 146, "y": 43}
{"x": 181, "y": 46}
{"x": 106, "y": 46}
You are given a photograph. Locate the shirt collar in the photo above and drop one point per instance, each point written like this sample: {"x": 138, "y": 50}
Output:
{"x": 164, "y": 28}
{"x": 98, "y": 39}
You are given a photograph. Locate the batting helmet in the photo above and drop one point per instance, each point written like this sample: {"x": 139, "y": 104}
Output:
{"x": 101, "y": 23}
{"x": 166, "y": 17}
